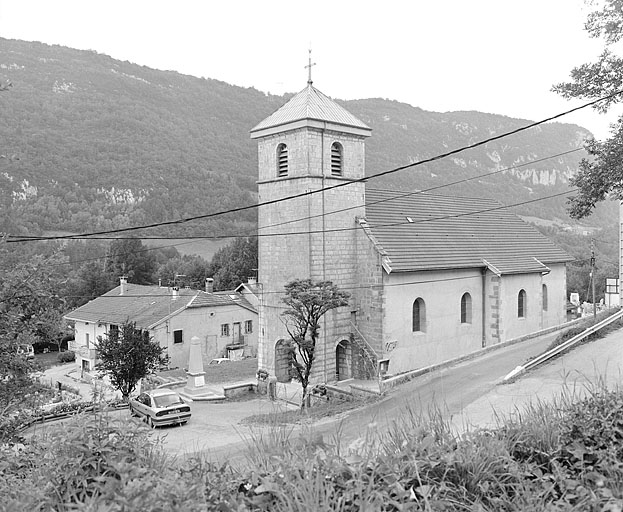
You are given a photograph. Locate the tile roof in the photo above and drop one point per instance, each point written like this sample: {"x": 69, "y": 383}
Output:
{"x": 428, "y": 232}
{"x": 148, "y": 305}
{"x": 252, "y": 287}
{"x": 227, "y": 298}
{"x": 145, "y": 305}
{"x": 310, "y": 103}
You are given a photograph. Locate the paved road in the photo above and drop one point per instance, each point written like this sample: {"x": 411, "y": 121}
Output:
{"x": 451, "y": 389}
{"x": 468, "y": 394}
{"x": 471, "y": 394}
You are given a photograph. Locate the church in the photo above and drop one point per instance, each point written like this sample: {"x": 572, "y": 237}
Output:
{"x": 431, "y": 278}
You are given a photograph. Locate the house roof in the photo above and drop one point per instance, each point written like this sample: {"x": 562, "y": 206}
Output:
{"x": 148, "y": 305}
{"x": 250, "y": 287}
{"x": 226, "y": 298}
{"x": 144, "y": 305}
{"x": 310, "y": 104}
{"x": 428, "y": 232}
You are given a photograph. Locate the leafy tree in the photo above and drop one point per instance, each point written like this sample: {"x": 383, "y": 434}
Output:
{"x": 234, "y": 263}
{"x": 90, "y": 282}
{"x": 30, "y": 311}
{"x": 307, "y": 302}
{"x": 580, "y": 246}
{"x": 131, "y": 258}
{"x": 128, "y": 354}
{"x": 164, "y": 254}
{"x": 194, "y": 270}
{"x": 600, "y": 176}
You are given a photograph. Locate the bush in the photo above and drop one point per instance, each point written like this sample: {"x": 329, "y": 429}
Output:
{"x": 95, "y": 463}
{"x": 584, "y": 324}
{"x": 67, "y": 357}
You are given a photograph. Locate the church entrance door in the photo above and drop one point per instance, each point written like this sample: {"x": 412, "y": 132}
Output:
{"x": 282, "y": 362}
{"x": 343, "y": 358}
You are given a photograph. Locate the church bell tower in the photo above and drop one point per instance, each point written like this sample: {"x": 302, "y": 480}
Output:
{"x": 311, "y": 156}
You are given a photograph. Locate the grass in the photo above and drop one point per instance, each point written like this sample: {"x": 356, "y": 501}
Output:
{"x": 223, "y": 373}
{"x": 49, "y": 359}
{"x": 584, "y": 324}
{"x": 204, "y": 248}
{"x": 319, "y": 410}
{"x": 563, "y": 455}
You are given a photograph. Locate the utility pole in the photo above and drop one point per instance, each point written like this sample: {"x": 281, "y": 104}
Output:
{"x": 593, "y": 278}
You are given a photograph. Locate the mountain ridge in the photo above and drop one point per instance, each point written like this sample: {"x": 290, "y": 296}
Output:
{"x": 90, "y": 142}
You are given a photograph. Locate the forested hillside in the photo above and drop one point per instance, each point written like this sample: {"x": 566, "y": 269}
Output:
{"x": 90, "y": 143}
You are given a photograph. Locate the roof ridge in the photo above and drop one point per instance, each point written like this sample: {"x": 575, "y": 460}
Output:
{"x": 311, "y": 104}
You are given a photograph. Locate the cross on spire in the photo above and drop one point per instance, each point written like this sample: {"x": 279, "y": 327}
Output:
{"x": 309, "y": 66}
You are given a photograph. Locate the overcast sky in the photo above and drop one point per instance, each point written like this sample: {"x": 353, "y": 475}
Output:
{"x": 498, "y": 56}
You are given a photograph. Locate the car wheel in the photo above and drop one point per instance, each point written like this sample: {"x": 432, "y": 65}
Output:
{"x": 150, "y": 422}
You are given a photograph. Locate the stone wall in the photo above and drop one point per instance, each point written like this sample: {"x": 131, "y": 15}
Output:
{"x": 302, "y": 237}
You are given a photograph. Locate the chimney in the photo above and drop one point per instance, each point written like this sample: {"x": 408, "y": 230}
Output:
{"x": 209, "y": 285}
{"x": 252, "y": 280}
{"x": 122, "y": 282}
{"x": 176, "y": 292}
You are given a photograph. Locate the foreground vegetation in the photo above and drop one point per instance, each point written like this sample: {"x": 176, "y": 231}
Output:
{"x": 561, "y": 456}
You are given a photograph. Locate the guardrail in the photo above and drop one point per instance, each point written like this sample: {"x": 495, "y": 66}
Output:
{"x": 563, "y": 346}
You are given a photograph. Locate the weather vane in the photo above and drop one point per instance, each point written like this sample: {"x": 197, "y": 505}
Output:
{"x": 309, "y": 66}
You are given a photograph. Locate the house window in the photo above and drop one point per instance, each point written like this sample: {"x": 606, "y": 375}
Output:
{"x": 224, "y": 329}
{"x": 612, "y": 286}
{"x": 87, "y": 339}
{"x": 336, "y": 159}
{"x": 178, "y": 336}
{"x": 113, "y": 329}
{"x": 521, "y": 304}
{"x": 419, "y": 315}
{"x": 282, "y": 160}
{"x": 248, "y": 326}
{"x": 466, "y": 309}
{"x": 545, "y": 305}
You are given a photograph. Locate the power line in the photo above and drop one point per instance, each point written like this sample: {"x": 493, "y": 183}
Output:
{"x": 372, "y": 226}
{"x": 276, "y": 292}
{"x": 309, "y": 217}
{"x": 398, "y": 196}
{"x": 360, "y": 180}
{"x": 437, "y": 187}
{"x": 500, "y": 207}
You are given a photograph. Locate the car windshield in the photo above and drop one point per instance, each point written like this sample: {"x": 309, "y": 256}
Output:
{"x": 166, "y": 400}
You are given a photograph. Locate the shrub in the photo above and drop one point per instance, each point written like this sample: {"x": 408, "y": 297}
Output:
{"x": 584, "y": 324}
{"x": 67, "y": 357}
{"x": 95, "y": 462}
{"x": 562, "y": 456}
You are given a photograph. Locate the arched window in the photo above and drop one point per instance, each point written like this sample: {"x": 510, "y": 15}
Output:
{"x": 336, "y": 159}
{"x": 419, "y": 315}
{"x": 545, "y": 305}
{"x": 521, "y": 304}
{"x": 282, "y": 160}
{"x": 466, "y": 309}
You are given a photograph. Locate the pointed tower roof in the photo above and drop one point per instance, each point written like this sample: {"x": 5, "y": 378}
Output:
{"x": 310, "y": 107}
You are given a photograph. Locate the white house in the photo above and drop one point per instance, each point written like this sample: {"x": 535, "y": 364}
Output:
{"x": 223, "y": 321}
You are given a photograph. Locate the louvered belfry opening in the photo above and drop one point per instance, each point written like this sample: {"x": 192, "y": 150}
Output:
{"x": 336, "y": 159}
{"x": 282, "y": 160}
